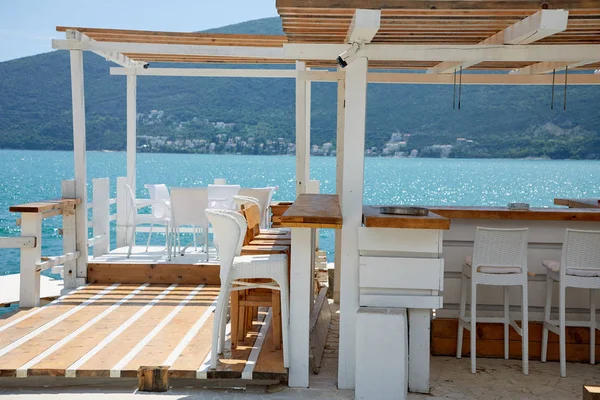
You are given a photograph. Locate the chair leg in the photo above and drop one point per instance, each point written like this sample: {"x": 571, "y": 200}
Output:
{"x": 506, "y": 321}
{"x": 562, "y": 330}
{"x": 473, "y": 324}
{"x": 276, "y": 317}
{"x": 462, "y": 310}
{"x": 285, "y": 322}
{"x": 149, "y": 237}
{"x": 235, "y": 312}
{"x": 222, "y": 299}
{"x": 525, "y": 327}
{"x": 546, "y": 318}
{"x": 592, "y": 327}
{"x": 131, "y": 241}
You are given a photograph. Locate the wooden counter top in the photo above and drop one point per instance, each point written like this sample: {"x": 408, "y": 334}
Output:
{"x": 578, "y": 203}
{"x": 533, "y": 214}
{"x": 372, "y": 218}
{"x": 313, "y": 211}
{"x": 44, "y": 206}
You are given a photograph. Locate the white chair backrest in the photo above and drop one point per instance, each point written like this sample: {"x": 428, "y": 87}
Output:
{"x": 188, "y": 205}
{"x": 264, "y": 197}
{"x": 159, "y": 192}
{"x": 229, "y": 232}
{"x": 581, "y": 250}
{"x": 500, "y": 248}
{"x": 221, "y": 196}
{"x": 241, "y": 200}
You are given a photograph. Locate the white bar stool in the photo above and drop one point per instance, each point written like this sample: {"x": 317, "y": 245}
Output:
{"x": 580, "y": 268}
{"x": 499, "y": 259}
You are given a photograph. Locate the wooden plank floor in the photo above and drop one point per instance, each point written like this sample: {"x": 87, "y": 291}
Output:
{"x": 110, "y": 330}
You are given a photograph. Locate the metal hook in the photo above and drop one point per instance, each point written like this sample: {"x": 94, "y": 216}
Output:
{"x": 553, "y": 76}
{"x": 566, "y": 79}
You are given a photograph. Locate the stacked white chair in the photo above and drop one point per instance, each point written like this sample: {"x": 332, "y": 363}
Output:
{"x": 579, "y": 268}
{"x": 229, "y": 229}
{"x": 141, "y": 219}
{"x": 263, "y": 197}
{"x": 499, "y": 259}
{"x": 162, "y": 208}
{"x": 221, "y": 196}
{"x": 187, "y": 208}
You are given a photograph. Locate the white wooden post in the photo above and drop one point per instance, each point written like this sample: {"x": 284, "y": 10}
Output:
{"x": 339, "y": 182}
{"x": 79, "y": 149}
{"x": 300, "y": 305}
{"x": 131, "y": 128}
{"x": 419, "y": 352}
{"x": 122, "y": 222}
{"x": 101, "y": 215}
{"x": 31, "y": 225}
{"x": 302, "y": 130}
{"x": 351, "y": 205}
{"x": 69, "y": 236}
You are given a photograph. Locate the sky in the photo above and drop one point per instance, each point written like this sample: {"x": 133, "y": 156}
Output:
{"x": 27, "y": 27}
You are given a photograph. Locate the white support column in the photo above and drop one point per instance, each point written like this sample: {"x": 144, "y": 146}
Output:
{"x": 418, "y": 351}
{"x": 300, "y": 305}
{"x": 302, "y": 130}
{"x": 351, "y": 205}
{"x": 69, "y": 236}
{"x": 339, "y": 180}
{"x": 122, "y": 222}
{"x": 31, "y": 225}
{"x": 101, "y": 215}
{"x": 131, "y": 128}
{"x": 79, "y": 149}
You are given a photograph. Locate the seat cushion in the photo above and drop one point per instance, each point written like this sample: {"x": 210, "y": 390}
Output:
{"x": 554, "y": 266}
{"x": 493, "y": 270}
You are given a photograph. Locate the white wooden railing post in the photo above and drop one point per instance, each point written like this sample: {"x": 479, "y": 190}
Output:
{"x": 314, "y": 188}
{"x": 69, "y": 235}
{"x": 122, "y": 223}
{"x": 31, "y": 225}
{"x": 101, "y": 215}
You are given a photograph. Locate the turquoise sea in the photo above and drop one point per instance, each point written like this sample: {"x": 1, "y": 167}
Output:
{"x": 27, "y": 176}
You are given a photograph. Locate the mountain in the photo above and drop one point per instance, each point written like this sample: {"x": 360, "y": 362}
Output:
{"x": 502, "y": 121}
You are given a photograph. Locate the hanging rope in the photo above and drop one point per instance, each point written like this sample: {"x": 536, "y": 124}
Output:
{"x": 566, "y": 79}
{"x": 460, "y": 88}
{"x": 454, "y": 92}
{"x": 553, "y": 76}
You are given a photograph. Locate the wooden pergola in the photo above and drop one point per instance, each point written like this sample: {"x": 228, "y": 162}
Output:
{"x": 508, "y": 42}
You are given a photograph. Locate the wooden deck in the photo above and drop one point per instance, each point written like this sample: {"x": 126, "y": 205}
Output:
{"x": 110, "y": 330}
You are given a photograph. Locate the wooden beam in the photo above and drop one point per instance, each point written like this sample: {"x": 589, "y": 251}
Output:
{"x": 432, "y": 4}
{"x": 547, "y": 67}
{"x": 153, "y": 379}
{"x": 450, "y": 52}
{"x": 538, "y": 26}
{"x": 364, "y": 26}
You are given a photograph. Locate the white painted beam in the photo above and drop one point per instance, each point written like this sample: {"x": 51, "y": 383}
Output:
{"x": 339, "y": 178}
{"x": 209, "y": 72}
{"x": 17, "y": 242}
{"x": 131, "y": 129}
{"x": 481, "y": 79}
{"x": 547, "y": 67}
{"x": 79, "y": 155}
{"x": 351, "y": 207}
{"x": 542, "y": 24}
{"x": 113, "y": 56}
{"x": 175, "y": 49}
{"x": 364, "y": 26}
{"x": 462, "y": 53}
{"x": 302, "y": 131}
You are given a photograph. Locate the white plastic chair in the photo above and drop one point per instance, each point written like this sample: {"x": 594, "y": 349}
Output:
{"x": 221, "y": 196}
{"x": 140, "y": 219}
{"x": 159, "y": 192}
{"x": 230, "y": 228}
{"x": 240, "y": 200}
{"x": 580, "y": 268}
{"x": 187, "y": 208}
{"x": 264, "y": 196}
{"x": 499, "y": 259}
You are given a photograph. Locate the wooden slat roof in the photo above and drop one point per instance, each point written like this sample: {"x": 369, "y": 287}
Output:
{"x": 402, "y": 22}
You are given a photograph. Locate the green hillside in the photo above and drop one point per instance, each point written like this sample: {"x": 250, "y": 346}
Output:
{"x": 502, "y": 121}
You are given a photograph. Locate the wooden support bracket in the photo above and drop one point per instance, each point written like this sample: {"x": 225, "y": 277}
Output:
{"x": 153, "y": 379}
{"x": 319, "y": 327}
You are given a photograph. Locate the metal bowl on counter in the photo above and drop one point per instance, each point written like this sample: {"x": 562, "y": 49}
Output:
{"x": 404, "y": 210}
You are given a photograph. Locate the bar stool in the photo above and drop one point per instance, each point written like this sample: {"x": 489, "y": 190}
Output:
{"x": 230, "y": 227}
{"x": 499, "y": 259}
{"x": 580, "y": 268}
